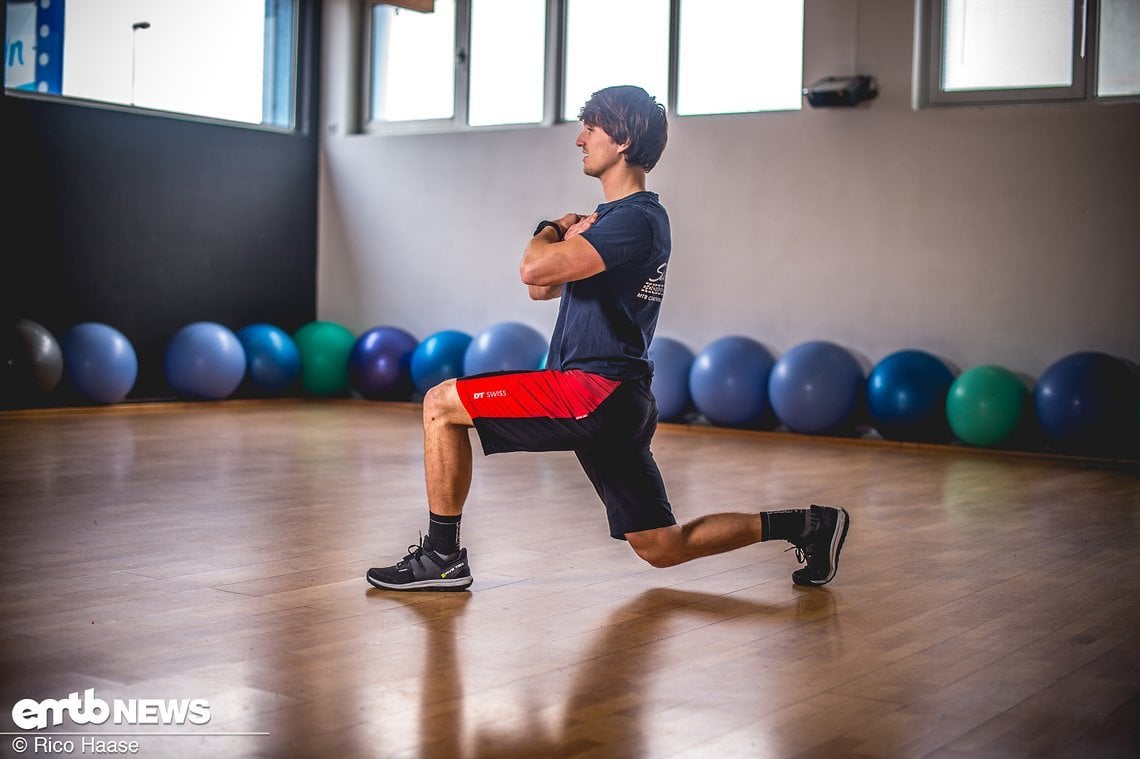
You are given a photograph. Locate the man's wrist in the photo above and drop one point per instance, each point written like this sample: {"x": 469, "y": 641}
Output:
{"x": 552, "y": 224}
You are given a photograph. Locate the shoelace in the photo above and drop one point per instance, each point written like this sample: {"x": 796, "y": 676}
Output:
{"x": 415, "y": 553}
{"x": 803, "y": 553}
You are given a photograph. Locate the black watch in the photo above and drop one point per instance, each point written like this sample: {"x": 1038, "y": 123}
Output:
{"x": 544, "y": 224}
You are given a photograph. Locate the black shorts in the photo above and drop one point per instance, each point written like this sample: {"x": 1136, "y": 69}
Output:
{"x": 608, "y": 424}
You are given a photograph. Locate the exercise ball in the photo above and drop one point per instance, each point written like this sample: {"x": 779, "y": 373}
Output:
{"x": 439, "y": 358}
{"x": 672, "y": 362}
{"x": 1087, "y": 401}
{"x": 32, "y": 362}
{"x": 379, "y": 365}
{"x": 985, "y": 404}
{"x": 906, "y": 396}
{"x": 505, "y": 347}
{"x": 324, "y": 347}
{"x": 204, "y": 360}
{"x": 815, "y": 387}
{"x": 728, "y": 381}
{"x": 271, "y": 356}
{"x": 100, "y": 361}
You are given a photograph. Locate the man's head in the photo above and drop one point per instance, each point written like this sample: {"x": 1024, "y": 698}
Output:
{"x": 629, "y": 114}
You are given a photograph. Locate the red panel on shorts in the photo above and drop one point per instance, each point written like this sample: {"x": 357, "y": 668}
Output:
{"x": 526, "y": 395}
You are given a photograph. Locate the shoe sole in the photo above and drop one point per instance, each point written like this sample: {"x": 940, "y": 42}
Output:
{"x": 836, "y": 546}
{"x": 456, "y": 584}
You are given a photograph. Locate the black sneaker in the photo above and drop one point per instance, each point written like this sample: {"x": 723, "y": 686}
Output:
{"x": 820, "y": 549}
{"x": 423, "y": 569}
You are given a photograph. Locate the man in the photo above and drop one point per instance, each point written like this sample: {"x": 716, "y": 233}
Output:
{"x": 594, "y": 398}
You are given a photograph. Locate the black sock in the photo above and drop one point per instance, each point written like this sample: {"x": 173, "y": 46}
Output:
{"x": 792, "y": 525}
{"x": 443, "y": 532}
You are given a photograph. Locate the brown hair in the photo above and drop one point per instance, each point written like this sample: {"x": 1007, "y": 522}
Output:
{"x": 629, "y": 114}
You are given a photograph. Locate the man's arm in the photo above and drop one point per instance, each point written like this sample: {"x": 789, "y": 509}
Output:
{"x": 541, "y": 292}
{"x": 548, "y": 264}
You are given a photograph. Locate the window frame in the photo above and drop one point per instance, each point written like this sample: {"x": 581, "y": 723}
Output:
{"x": 928, "y": 92}
{"x": 462, "y": 59}
{"x": 554, "y": 76}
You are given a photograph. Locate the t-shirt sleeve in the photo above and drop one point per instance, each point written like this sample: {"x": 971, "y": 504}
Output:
{"x": 621, "y": 236}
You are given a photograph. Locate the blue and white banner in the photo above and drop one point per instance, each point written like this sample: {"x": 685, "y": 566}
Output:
{"x": 33, "y": 46}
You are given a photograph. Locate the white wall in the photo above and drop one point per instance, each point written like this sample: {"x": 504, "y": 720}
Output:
{"x": 985, "y": 235}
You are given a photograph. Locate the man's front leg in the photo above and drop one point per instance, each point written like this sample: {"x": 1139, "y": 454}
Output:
{"x": 438, "y": 562}
{"x": 447, "y": 450}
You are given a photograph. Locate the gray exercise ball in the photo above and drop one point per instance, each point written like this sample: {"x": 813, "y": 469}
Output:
{"x": 42, "y": 353}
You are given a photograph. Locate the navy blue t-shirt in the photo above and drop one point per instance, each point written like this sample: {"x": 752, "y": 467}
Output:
{"x": 606, "y": 322}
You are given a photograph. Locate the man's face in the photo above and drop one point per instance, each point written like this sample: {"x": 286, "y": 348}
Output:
{"x": 599, "y": 151}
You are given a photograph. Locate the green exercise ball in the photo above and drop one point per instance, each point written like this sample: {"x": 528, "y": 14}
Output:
{"x": 324, "y": 348}
{"x": 985, "y": 405}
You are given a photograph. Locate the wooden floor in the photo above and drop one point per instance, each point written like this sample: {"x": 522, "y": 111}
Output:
{"x": 985, "y": 605}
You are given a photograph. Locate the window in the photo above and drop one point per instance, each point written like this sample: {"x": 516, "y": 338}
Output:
{"x": 412, "y": 62}
{"x": 508, "y": 62}
{"x": 421, "y": 64}
{"x": 1118, "y": 49}
{"x": 740, "y": 56}
{"x": 602, "y": 49}
{"x": 1029, "y": 50}
{"x": 224, "y": 59}
{"x": 496, "y": 62}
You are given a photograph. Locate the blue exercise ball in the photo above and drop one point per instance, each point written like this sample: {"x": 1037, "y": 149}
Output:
{"x": 505, "y": 347}
{"x": 439, "y": 357}
{"x": 815, "y": 387}
{"x": 272, "y": 358}
{"x": 204, "y": 360}
{"x": 672, "y": 361}
{"x": 906, "y": 396}
{"x": 100, "y": 361}
{"x": 1087, "y": 402}
{"x": 379, "y": 366}
{"x": 728, "y": 381}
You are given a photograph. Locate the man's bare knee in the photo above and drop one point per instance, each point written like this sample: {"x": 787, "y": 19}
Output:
{"x": 656, "y": 558}
{"x": 443, "y": 406}
{"x": 658, "y": 548}
{"x": 435, "y": 403}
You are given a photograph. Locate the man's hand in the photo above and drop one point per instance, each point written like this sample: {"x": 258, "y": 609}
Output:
{"x": 567, "y": 222}
{"x": 579, "y": 226}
